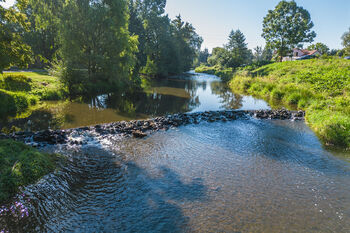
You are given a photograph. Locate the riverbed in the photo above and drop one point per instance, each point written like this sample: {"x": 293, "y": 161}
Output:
{"x": 246, "y": 175}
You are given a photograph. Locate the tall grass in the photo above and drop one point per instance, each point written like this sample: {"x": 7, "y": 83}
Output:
{"x": 319, "y": 86}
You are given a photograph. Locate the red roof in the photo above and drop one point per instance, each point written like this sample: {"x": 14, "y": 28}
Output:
{"x": 307, "y": 52}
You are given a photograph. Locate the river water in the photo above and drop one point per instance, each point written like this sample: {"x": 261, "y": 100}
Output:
{"x": 247, "y": 175}
{"x": 188, "y": 93}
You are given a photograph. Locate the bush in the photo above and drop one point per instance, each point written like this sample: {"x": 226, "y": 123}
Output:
{"x": 15, "y": 82}
{"x": 21, "y": 165}
{"x": 12, "y": 103}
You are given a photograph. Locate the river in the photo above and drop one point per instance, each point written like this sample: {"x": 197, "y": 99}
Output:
{"x": 246, "y": 175}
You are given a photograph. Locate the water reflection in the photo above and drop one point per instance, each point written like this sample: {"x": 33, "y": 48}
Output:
{"x": 187, "y": 93}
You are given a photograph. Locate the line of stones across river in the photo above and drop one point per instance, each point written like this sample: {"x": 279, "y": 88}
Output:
{"x": 141, "y": 128}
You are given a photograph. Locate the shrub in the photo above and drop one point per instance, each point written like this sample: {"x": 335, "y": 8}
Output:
{"x": 21, "y": 165}
{"x": 15, "y": 82}
{"x": 12, "y": 103}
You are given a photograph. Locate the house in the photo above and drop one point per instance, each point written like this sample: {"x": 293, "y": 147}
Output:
{"x": 297, "y": 53}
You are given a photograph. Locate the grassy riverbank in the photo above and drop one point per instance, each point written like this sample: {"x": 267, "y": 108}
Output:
{"x": 21, "y": 165}
{"x": 319, "y": 86}
{"x": 21, "y": 90}
{"x": 225, "y": 74}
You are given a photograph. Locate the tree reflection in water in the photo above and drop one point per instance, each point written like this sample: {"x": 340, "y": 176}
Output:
{"x": 188, "y": 93}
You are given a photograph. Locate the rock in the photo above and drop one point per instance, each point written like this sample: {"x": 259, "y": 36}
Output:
{"x": 138, "y": 134}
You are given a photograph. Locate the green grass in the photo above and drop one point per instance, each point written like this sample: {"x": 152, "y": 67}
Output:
{"x": 319, "y": 86}
{"x": 21, "y": 90}
{"x": 21, "y": 165}
{"x": 225, "y": 74}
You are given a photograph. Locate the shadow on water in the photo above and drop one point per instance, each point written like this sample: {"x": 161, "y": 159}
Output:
{"x": 279, "y": 140}
{"x": 99, "y": 192}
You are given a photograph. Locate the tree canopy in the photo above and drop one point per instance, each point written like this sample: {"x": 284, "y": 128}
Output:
{"x": 320, "y": 47}
{"x": 287, "y": 26}
{"x": 346, "y": 42}
{"x": 13, "y": 50}
{"x": 234, "y": 54}
{"x": 97, "y": 44}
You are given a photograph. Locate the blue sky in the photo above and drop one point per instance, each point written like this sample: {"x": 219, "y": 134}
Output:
{"x": 214, "y": 19}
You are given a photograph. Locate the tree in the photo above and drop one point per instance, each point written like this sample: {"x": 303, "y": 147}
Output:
{"x": 95, "y": 45}
{"x": 238, "y": 52}
{"x": 13, "y": 51}
{"x": 346, "y": 42}
{"x": 258, "y": 54}
{"x": 320, "y": 47}
{"x": 287, "y": 26}
{"x": 165, "y": 46}
{"x": 42, "y": 35}
{"x": 267, "y": 54}
{"x": 203, "y": 56}
{"x": 218, "y": 57}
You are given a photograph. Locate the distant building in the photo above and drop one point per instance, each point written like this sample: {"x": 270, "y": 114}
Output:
{"x": 297, "y": 53}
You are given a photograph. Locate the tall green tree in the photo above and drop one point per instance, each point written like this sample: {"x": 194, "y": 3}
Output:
{"x": 320, "y": 47}
{"x": 203, "y": 56}
{"x": 239, "y": 54}
{"x": 258, "y": 54}
{"x": 43, "y": 35}
{"x": 165, "y": 46}
{"x": 346, "y": 42}
{"x": 13, "y": 51}
{"x": 95, "y": 45}
{"x": 267, "y": 54}
{"x": 219, "y": 57}
{"x": 286, "y": 26}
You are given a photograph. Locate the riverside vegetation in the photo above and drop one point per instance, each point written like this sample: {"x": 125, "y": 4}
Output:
{"x": 21, "y": 165}
{"x": 20, "y": 91}
{"x": 103, "y": 46}
{"x": 319, "y": 86}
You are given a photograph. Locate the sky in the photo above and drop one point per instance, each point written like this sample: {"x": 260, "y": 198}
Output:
{"x": 214, "y": 19}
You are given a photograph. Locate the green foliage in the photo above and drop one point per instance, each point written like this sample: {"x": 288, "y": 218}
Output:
{"x": 287, "y": 26}
{"x": 320, "y": 47}
{"x": 319, "y": 86}
{"x": 165, "y": 46}
{"x": 234, "y": 54}
{"x": 238, "y": 53}
{"x": 203, "y": 56}
{"x": 12, "y": 103}
{"x": 12, "y": 49}
{"x": 225, "y": 74}
{"x": 95, "y": 43}
{"x": 218, "y": 57}
{"x": 21, "y": 165}
{"x": 20, "y": 90}
{"x": 346, "y": 42}
{"x": 15, "y": 83}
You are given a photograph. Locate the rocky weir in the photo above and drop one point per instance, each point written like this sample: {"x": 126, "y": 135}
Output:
{"x": 142, "y": 128}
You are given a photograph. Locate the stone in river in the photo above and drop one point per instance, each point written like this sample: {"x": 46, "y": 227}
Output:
{"x": 138, "y": 134}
